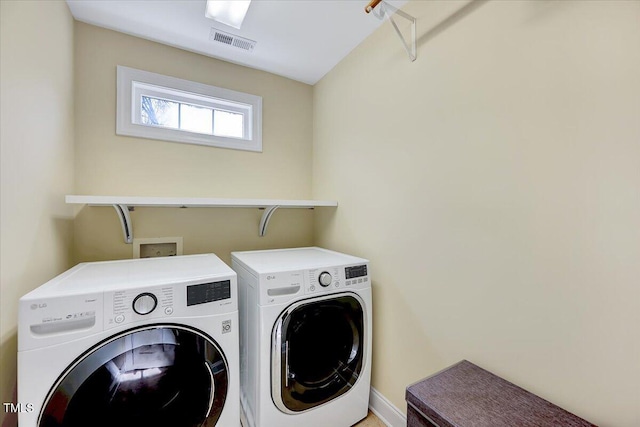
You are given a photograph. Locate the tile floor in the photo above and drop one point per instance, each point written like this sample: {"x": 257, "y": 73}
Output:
{"x": 371, "y": 421}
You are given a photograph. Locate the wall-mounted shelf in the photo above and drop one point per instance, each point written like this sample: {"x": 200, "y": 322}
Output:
{"x": 124, "y": 204}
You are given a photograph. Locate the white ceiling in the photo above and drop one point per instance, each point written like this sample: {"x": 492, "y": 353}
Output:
{"x": 298, "y": 39}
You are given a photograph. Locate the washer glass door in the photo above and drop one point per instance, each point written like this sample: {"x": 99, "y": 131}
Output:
{"x": 318, "y": 351}
{"x": 159, "y": 376}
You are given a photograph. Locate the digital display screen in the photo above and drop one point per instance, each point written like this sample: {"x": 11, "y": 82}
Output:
{"x": 208, "y": 292}
{"x": 356, "y": 271}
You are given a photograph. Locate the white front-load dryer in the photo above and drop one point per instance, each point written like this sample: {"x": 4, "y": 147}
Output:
{"x": 149, "y": 342}
{"x": 305, "y": 337}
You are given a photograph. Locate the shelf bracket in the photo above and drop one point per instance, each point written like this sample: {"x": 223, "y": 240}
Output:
{"x": 125, "y": 221}
{"x": 266, "y": 216}
{"x": 381, "y": 8}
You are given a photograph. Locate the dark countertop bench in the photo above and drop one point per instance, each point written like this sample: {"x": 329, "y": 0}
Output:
{"x": 465, "y": 395}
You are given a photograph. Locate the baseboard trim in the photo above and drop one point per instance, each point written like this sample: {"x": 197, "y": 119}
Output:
{"x": 385, "y": 410}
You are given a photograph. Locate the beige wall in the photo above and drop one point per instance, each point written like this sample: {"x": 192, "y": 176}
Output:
{"x": 108, "y": 164}
{"x": 495, "y": 185}
{"x": 36, "y": 135}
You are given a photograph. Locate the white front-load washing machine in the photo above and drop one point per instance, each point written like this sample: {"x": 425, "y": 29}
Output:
{"x": 305, "y": 337}
{"x": 149, "y": 342}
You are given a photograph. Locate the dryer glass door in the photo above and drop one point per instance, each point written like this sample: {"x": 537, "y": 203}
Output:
{"x": 319, "y": 349}
{"x": 160, "y": 376}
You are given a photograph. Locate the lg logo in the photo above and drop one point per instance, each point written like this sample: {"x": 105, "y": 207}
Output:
{"x": 271, "y": 277}
{"x": 36, "y": 306}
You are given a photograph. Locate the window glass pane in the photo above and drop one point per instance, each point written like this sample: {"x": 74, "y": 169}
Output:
{"x": 195, "y": 119}
{"x": 159, "y": 112}
{"x": 170, "y": 109}
{"x": 228, "y": 124}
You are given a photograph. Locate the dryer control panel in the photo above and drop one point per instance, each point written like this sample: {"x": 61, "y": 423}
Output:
{"x": 337, "y": 278}
{"x": 283, "y": 286}
{"x": 282, "y": 275}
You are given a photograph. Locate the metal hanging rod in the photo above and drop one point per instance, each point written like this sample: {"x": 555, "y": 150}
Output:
{"x": 372, "y": 5}
{"x": 384, "y": 8}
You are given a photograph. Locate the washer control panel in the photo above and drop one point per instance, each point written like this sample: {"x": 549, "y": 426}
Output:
{"x": 195, "y": 298}
{"x": 128, "y": 305}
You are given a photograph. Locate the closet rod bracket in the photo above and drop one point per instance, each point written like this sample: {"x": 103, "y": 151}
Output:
{"x": 381, "y": 8}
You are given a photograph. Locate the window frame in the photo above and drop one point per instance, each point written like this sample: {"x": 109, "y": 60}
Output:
{"x": 132, "y": 84}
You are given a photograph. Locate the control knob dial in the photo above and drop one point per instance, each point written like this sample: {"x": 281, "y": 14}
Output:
{"x": 145, "y": 303}
{"x": 325, "y": 279}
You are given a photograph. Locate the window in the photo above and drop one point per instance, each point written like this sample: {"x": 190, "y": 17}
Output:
{"x": 167, "y": 108}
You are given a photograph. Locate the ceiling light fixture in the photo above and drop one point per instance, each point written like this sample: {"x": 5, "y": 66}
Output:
{"x": 228, "y": 12}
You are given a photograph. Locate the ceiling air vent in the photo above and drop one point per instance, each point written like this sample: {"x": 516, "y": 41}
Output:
{"x": 231, "y": 40}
